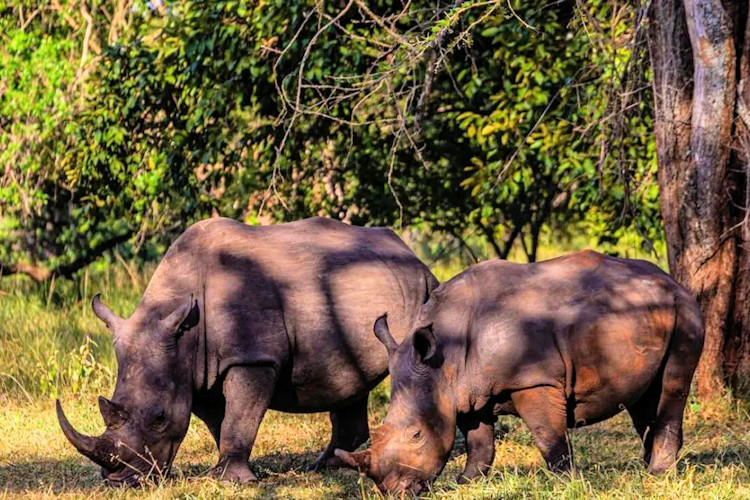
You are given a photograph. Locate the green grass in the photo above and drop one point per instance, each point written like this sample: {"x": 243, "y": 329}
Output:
{"x": 42, "y": 332}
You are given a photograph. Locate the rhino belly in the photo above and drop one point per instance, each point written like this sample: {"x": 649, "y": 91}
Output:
{"x": 613, "y": 368}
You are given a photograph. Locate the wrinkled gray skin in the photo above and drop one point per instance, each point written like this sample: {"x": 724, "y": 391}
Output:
{"x": 238, "y": 319}
{"x": 562, "y": 343}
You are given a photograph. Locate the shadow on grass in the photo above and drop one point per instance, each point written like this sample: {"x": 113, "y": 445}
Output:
{"x": 268, "y": 465}
{"x": 48, "y": 475}
{"x": 725, "y": 456}
{"x": 274, "y": 471}
{"x": 281, "y": 474}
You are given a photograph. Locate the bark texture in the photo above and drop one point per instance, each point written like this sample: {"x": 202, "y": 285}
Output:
{"x": 698, "y": 89}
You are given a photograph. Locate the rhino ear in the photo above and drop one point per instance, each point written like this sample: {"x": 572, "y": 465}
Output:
{"x": 184, "y": 317}
{"x": 425, "y": 345}
{"x": 180, "y": 320}
{"x": 384, "y": 334}
{"x": 359, "y": 460}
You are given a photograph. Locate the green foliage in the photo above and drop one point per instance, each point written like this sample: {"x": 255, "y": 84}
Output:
{"x": 525, "y": 123}
{"x": 82, "y": 373}
{"x": 36, "y": 71}
{"x": 270, "y": 111}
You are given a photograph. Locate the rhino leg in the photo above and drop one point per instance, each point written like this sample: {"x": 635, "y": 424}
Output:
{"x": 479, "y": 432}
{"x": 350, "y": 430}
{"x": 545, "y": 412}
{"x": 247, "y": 392}
{"x": 211, "y": 412}
{"x": 667, "y": 431}
{"x": 675, "y": 389}
{"x": 662, "y": 407}
{"x": 643, "y": 414}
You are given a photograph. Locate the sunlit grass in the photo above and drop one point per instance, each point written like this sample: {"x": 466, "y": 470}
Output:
{"x": 36, "y": 461}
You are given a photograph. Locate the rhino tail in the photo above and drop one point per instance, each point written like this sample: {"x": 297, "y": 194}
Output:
{"x": 687, "y": 339}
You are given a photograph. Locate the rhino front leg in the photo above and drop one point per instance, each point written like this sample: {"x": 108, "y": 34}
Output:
{"x": 247, "y": 392}
{"x": 349, "y": 430}
{"x": 480, "y": 445}
{"x": 544, "y": 410}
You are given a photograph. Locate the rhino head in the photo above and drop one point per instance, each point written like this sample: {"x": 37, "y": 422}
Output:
{"x": 149, "y": 413}
{"x": 412, "y": 446}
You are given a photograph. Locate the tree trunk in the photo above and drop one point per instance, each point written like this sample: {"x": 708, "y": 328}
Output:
{"x": 692, "y": 47}
{"x": 737, "y": 346}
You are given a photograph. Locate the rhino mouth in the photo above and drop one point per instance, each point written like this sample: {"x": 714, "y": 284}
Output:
{"x": 412, "y": 486}
{"x": 123, "y": 477}
{"x": 128, "y": 476}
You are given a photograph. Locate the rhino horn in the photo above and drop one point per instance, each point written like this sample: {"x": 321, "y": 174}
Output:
{"x": 104, "y": 313}
{"x": 384, "y": 334}
{"x": 113, "y": 414}
{"x": 99, "y": 450}
{"x": 359, "y": 460}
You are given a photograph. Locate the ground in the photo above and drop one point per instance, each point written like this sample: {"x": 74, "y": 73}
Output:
{"x": 37, "y": 462}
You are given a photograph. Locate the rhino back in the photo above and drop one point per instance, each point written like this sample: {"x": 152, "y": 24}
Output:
{"x": 594, "y": 325}
{"x": 303, "y": 296}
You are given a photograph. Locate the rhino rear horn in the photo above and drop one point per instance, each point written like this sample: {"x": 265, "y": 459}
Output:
{"x": 384, "y": 334}
{"x": 104, "y": 313}
{"x": 114, "y": 415}
{"x": 99, "y": 450}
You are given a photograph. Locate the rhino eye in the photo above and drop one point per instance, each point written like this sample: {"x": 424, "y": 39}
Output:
{"x": 158, "y": 420}
{"x": 417, "y": 435}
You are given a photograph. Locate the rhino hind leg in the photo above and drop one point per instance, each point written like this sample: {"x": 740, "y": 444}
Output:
{"x": 544, "y": 410}
{"x": 479, "y": 432}
{"x": 349, "y": 430}
{"x": 657, "y": 417}
{"x": 675, "y": 389}
{"x": 662, "y": 407}
{"x": 247, "y": 392}
{"x": 667, "y": 431}
{"x": 643, "y": 415}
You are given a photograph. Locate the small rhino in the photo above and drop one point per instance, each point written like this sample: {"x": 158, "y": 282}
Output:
{"x": 238, "y": 319}
{"x": 563, "y": 343}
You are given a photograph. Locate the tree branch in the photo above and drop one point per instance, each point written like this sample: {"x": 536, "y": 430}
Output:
{"x": 41, "y": 274}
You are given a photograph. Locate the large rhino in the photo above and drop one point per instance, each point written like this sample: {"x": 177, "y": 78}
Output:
{"x": 238, "y": 319}
{"x": 562, "y": 343}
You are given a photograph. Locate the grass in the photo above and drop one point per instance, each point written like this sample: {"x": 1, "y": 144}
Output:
{"x": 37, "y": 462}
{"x": 52, "y": 345}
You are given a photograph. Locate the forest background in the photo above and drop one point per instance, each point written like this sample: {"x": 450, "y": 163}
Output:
{"x": 476, "y": 129}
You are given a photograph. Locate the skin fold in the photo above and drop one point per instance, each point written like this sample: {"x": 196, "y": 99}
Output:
{"x": 563, "y": 343}
{"x": 239, "y": 319}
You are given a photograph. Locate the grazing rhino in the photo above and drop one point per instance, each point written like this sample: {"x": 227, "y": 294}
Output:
{"x": 238, "y": 319}
{"x": 562, "y": 343}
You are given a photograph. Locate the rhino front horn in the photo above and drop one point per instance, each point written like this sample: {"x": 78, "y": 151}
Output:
{"x": 97, "y": 449}
{"x": 359, "y": 460}
{"x": 384, "y": 334}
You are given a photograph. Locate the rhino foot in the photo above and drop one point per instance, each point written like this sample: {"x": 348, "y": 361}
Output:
{"x": 325, "y": 461}
{"x": 234, "y": 472}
